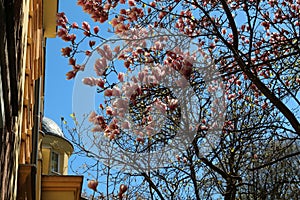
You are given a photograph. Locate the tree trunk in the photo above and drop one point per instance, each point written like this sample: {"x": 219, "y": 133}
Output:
{"x": 230, "y": 190}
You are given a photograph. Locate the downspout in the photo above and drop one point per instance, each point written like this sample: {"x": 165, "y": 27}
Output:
{"x": 35, "y": 135}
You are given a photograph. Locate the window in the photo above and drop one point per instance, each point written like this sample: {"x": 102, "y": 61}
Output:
{"x": 54, "y": 162}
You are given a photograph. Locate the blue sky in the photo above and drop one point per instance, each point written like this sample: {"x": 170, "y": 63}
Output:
{"x": 58, "y": 90}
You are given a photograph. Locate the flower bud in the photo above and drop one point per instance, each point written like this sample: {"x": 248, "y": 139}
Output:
{"x": 92, "y": 184}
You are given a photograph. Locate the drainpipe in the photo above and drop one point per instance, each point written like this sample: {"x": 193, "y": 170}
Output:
{"x": 35, "y": 135}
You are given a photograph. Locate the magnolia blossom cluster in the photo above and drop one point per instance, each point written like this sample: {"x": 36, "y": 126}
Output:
{"x": 120, "y": 99}
{"x": 176, "y": 70}
{"x": 110, "y": 130}
{"x": 144, "y": 47}
{"x": 254, "y": 44}
{"x": 182, "y": 63}
{"x": 140, "y": 51}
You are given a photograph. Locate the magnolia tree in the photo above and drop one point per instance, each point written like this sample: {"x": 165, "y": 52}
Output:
{"x": 195, "y": 96}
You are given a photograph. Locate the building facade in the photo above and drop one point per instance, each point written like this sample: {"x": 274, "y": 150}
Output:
{"x": 25, "y": 25}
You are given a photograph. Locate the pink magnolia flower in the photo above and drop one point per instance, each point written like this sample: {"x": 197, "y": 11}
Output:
{"x": 116, "y": 91}
{"x": 121, "y": 76}
{"x": 158, "y": 73}
{"x": 120, "y": 28}
{"x": 62, "y": 32}
{"x": 113, "y": 124}
{"x": 101, "y": 51}
{"x": 116, "y": 132}
{"x": 86, "y": 26}
{"x": 72, "y": 38}
{"x": 71, "y": 74}
{"x": 117, "y": 49}
{"x": 109, "y": 110}
{"x": 182, "y": 82}
{"x": 108, "y": 92}
{"x": 112, "y": 136}
{"x": 224, "y": 31}
{"x": 177, "y": 157}
{"x": 114, "y": 22}
{"x": 92, "y": 43}
{"x": 130, "y": 89}
{"x": 99, "y": 119}
{"x": 89, "y": 81}
{"x": 238, "y": 82}
{"x": 97, "y": 128}
{"x": 149, "y": 130}
{"x": 107, "y": 132}
{"x": 101, "y": 63}
{"x": 72, "y": 61}
{"x": 96, "y": 29}
{"x": 92, "y": 116}
{"x": 141, "y": 76}
{"x": 140, "y": 139}
{"x": 125, "y": 125}
{"x": 62, "y": 15}
{"x": 186, "y": 70}
{"x": 100, "y": 82}
{"x": 134, "y": 79}
{"x": 264, "y": 106}
{"x": 173, "y": 104}
{"x": 92, "y": 184}
{"x": 108, "y": 53}
{"x": 88, "y": 53}
{"x": 162, "y": 107}
{"x": 66, "y": 51}
{"x": 231, "y": 96}
{"x": 131, "y": 3}
{"x": 150, "y": 80}
{"x": 74, "y": 25}
{"x": 100, "y": 66}
{"x": 120, "y": 104}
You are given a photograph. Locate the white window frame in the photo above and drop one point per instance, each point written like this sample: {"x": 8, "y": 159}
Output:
{"x": 58, "y": 163}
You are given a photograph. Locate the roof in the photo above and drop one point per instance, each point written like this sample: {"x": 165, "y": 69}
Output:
{"x": 49, "y": 127}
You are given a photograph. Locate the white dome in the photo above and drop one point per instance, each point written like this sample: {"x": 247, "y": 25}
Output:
{"x": 49, "y": 127}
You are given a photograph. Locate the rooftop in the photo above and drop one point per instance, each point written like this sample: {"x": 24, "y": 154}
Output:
{"x": 49, "y": 127}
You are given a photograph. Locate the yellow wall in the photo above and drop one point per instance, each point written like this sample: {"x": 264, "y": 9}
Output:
{"x": 64, "y": 195}
{"x": 64, "y": 164}
{"x": 41, "y": 23}
{"x": 34, "y": 69}
{"x": 59, "y": 145}
{"x": 61, "y": 187}
{"x": 46, "y": 160}
{"x": 50, "y": 9}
